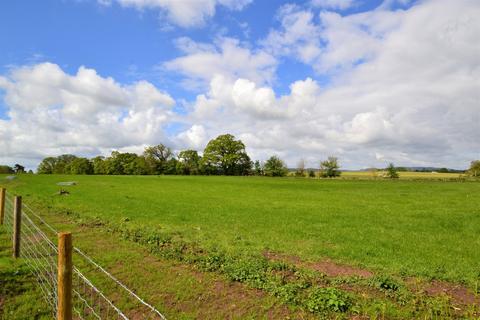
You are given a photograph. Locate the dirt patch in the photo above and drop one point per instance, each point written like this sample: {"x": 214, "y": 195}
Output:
{"x": 459, "y": 294}
{"x": 201, "y": 295}
{"x": 333, "y": 269}
{"x": 326, "y": 266}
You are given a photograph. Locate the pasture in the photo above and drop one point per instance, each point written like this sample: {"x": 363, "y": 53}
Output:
{"x": 425, "y": 229}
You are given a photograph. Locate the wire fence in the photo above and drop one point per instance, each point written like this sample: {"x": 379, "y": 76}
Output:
{"x": 89, "y": 301}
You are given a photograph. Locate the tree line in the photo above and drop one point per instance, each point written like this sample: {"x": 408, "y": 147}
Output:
{"x": 224, "y": 155}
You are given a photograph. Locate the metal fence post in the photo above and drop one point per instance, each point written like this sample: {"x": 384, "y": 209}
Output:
{"x": 65, "y": 271}
{"x": 17, "y": 222}
{"x": 2, "y": 204}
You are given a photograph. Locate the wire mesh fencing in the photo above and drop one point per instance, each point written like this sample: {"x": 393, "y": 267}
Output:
{"x": 110, "y": 300}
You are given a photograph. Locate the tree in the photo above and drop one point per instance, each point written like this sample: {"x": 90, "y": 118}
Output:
{"x": 171, "y": 166}
{"x": 474, "y": 169}
{"x": 157, "y": 157}
{"x": 188, "y": 162}
{"x": 258, "y": 168}
{"x": 330, "y": 168}
{"x": 275, "y": 167}
{"x": 311, "y": 173}
{"x": 300, "y": 172}
{"x": 135, "y": 165}
{"x": 391, "y": 172}
{"x": 47, "y": 166}
{"x": 6, "y": 169}
{"x": 19, "y": 168}
{"x": 79, "y": 166}
{"x": 225, "y": 155}
{"x": 120, "y": 163}
{"x": 62, "y": 162}
{"x": 99, "y": 166}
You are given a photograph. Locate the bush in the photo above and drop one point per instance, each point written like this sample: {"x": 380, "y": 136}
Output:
{"x": 330, "y": 168}
{"x": 392, "y": 171}
{"x": 274, "y": 167}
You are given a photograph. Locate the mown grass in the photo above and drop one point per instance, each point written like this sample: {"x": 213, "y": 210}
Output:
{"x": 421, "y": 228}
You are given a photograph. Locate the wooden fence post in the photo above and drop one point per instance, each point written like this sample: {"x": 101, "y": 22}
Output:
{"x": 17, "y": 223}
{"x": 65, "y": 271}
{"x": 2, "y": 204}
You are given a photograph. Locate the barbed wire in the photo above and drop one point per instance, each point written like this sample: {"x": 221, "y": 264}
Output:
{"x": 88, "y": 301}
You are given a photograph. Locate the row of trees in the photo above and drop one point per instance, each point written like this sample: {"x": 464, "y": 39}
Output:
{"x": 17, "y": 168}
{"x": 223, "y": 155}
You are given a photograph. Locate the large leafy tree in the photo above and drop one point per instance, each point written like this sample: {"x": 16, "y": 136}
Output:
{"x": 47, "y": 166}
{"x": 188, "y": 162}
{"x": 62, "y": 163}
{"x": 57, "y": 165}
{"x": 158, "y": 159}
{"x": 18, "y": 168}
{"x": 79, "y": 166}
{"x": 99, "y": 165}
{"x": 120, "y": 163}
{"x": 225, "y": 155}
{"x": 275, "y": 167}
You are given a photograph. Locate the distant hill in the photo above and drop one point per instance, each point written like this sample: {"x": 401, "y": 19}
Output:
{"x": 423, "y": 169}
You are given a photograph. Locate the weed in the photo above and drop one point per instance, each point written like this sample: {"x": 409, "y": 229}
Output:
{"x": 328, "y": 300}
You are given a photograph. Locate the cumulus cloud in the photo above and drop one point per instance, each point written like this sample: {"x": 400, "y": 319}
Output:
{"x": 414, "y": 101}
{"x": 331, "y": 42}
{"x": 185, "y": 13}
{"x": 405, "y": 89}
{"x": 227, "y": 57}
{"x": 52, "y": 112}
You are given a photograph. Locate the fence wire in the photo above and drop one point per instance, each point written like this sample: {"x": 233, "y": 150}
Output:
{"x": 88, "y": 301}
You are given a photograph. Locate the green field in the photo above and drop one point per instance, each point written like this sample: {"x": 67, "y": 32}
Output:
{"x": 426, "y": 229}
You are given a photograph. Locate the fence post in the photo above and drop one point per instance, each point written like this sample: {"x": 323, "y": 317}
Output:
{"x": 65, "y": 267}
{"x": 2, "y": 204}
{"x": 17, "y": 222}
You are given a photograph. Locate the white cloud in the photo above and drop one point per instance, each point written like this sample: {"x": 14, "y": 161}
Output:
{"x": 299, "y": 36}
{"x": 52, "y": 112}
{"x": 331, "y": 43}
{"x": 195, "y": 137}
{"x": 414, "y": 101}
{"x": 334, "y": 4}
{"x": 228, "y": 58}
{"x": 185, "y": 13}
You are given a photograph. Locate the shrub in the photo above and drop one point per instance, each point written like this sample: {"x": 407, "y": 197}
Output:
{"x": 392, "y": 171}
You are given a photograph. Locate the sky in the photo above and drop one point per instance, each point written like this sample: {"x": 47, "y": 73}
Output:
{"x": 367, "y": 81}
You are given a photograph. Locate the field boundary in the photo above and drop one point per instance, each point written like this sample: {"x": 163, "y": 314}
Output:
{"x": 88, "y": 301}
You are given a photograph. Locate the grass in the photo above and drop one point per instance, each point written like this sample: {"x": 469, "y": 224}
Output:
{"x": 403, "y": 175}
{"x": 418, "y": 228}
{"x": 20, "y": 296}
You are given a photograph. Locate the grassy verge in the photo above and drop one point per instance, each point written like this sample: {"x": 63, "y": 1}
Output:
{"x": 20, "y": 297}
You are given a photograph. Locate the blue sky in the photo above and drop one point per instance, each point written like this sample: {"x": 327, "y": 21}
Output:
{"x": 128, "y": 44}
{"x": 323, "y": 46}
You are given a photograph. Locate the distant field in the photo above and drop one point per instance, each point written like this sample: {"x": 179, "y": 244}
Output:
{"x": 424, "y": 228}
{"x": 403, "y": 175}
